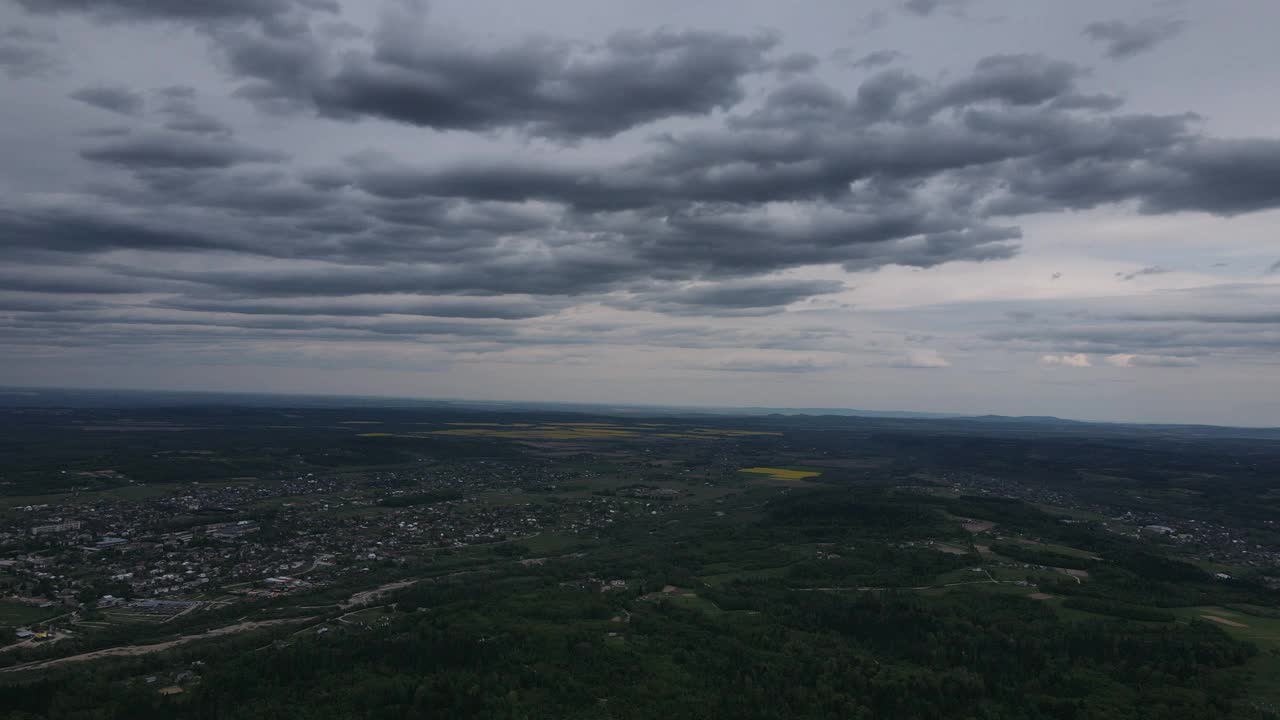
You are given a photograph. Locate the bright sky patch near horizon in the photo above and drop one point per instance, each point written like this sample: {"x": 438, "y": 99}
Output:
{"x": 978, "y": 206}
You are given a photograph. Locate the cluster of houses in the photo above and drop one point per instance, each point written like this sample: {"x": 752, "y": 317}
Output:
{"x": 286, "y": 536}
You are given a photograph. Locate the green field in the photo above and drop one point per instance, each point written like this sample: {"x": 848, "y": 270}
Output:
{"x": 14, "y": 614}
{"x": 1261, "y": 631}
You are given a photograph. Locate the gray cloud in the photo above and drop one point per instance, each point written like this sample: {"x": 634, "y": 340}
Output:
{"x": 870, "y": 180}
{"x": 114, "y": 99}
{"x": 61, "y": 281}
{"x": 740, "y": 178}
{"x": 19, "y": 61}
{"x": 543, "y": 87}
{"x": 178, "y": 106}
{"x": 205, "y": 10}
{"x": 371, "y": 306}
{"x": 797, "y": 364}
{"x": 27, "y": 53}
{"x": 1129, "y": 360}
{"x": 44, "y": 304}
{"x": 1226, "y": 177}
{"x": 1116, "y": 337}
{"x": 508, "y": 275}
{"x": 1273, "y": 268}
{"x": 197, "y": 123}
{"x": 756, "y": 294}
{"x": 372, "y": 325}
{"x": 172, "y": 150}
{"x": 872, "y": 60}
{"x": 633, "y": 79}
{"x": 924, "y": 8}
{"x": 743, "y": 297}
{"x": 1149, "y": 270}
{"x": 796, "y": 63}
{"x": 1245, "y": 318}
{"x": 1123, "y": 39}
{"x": 921, "y": 360}
{"x": 73, "y": 230}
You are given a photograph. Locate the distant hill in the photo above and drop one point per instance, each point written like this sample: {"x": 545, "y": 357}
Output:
{"x": 19, "y": 397}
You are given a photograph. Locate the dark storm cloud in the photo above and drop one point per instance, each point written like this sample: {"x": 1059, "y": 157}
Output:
{"x": 385, "y": 305}
{"x": 173, "y": 150}
{"x": 1018, "y": 80}
{"x": 73, "y": 230}
{"x": 1123, "y": 39}
{"x": 374, "y": 325}
{"x": 44, "y": 304}
{"x": 1225, "y": 177}
{"x": 114, "y": 99}
{"x": 544, "y": 87}
{"x": 585, "y": 187}
{"x": 59, "y": 281}
{"x": 518, "y": 275}
{"x": 541, "y": 86}
{"x": 906, "y": 171}
{"x": 26, "y": 53}
{"x": 902, "y": 169}
{"x": 201, "y": 10}
{"x": 694, "y": 206}
{"x": 1160, "y": 161}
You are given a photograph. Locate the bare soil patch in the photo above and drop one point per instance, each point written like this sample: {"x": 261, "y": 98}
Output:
{"x": 1224, "y": 621}
{"x": 365, "y": 597}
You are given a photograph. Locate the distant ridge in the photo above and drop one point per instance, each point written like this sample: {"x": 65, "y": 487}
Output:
{"x": 43, "y": 397}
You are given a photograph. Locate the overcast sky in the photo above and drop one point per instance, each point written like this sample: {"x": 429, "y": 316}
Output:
{"x": 982, "y": 206}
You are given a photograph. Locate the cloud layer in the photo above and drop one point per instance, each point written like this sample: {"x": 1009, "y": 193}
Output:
{"x": 470, "y": 195}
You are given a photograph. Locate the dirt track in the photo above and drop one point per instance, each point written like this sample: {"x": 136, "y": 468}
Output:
{"x": 135, "y": 650}
{"x": 1224, "y": 621}
{"x": 365, "y": 597}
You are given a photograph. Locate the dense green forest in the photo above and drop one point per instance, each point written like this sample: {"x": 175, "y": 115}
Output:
{"x": 536, "y": 641}
{"x": 526, "y": 648}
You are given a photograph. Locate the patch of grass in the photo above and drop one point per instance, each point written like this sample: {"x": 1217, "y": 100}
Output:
{"x": 1261, "y": 631}
{"x": 693, "y": 602}
{"x": 12, "y": 613}
{"x": 722, "y": 578}
{"x": 1264, "y": 677}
